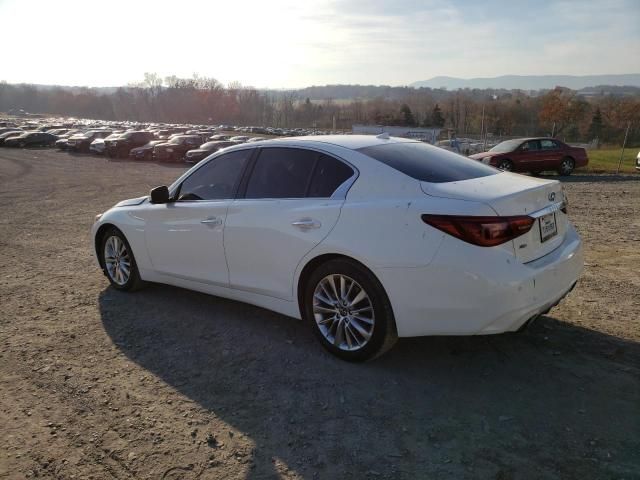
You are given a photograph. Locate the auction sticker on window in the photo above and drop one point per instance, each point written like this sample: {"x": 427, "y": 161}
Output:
{"x": 548, "y": 227}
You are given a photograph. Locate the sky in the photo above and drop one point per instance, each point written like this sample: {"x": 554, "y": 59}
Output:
{"x": 292, "y": 44}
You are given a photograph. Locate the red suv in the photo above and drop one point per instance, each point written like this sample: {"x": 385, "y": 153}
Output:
{"x": 534, "y": 155}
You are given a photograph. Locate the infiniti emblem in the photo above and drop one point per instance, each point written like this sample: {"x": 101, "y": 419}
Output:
{"x": 552, "y": 196}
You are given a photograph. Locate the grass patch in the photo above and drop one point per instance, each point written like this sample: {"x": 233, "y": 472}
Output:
{"x": 605, "y": 160}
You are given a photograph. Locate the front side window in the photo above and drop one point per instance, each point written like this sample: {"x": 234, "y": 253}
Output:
{"x": 217, "y": 179}
{"x": 531, "y": 146}
{"x": 281, "y": 173}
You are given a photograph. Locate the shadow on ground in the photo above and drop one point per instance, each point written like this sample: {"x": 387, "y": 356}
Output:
{"x": 556, "y": 401}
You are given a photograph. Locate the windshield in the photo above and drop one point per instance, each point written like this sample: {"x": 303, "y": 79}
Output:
{"x": 506, "y": 146}
{"x": 176, "y": 140}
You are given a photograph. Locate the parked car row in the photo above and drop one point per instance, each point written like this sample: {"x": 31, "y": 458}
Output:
{"x": 137, "y": 141}
{"x": 193, "y": 143}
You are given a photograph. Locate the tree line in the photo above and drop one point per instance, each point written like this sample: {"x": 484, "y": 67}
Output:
{"x": 565, "y": 113}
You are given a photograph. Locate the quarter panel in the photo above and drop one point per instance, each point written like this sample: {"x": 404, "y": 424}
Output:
{"x": 389, "y": 232}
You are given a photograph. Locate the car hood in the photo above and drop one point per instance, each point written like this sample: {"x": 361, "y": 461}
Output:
{"x": 480, "y": 156}
{"x": 131, "y": 202}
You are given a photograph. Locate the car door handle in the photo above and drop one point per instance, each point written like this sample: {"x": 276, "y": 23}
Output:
{"x": 212, "y": 221}
{"x": 306, "y": 223}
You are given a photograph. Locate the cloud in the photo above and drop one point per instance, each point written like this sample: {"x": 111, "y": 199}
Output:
{"x": 287, "y": 43}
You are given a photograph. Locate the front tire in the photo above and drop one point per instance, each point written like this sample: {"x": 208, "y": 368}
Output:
{"x": 118, "y": 261}
{"x": 505, "y": 165}
{"x": 566, "y": 166}
{"x": 349, "y": 310}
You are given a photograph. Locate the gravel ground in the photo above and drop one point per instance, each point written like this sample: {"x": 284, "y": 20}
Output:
{"x": 167, "y": 383}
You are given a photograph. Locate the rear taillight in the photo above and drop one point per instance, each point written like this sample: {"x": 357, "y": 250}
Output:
{"x": 481, "y": 231}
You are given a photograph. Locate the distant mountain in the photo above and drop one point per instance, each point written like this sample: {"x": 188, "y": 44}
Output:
{"x": 532, "y": 82}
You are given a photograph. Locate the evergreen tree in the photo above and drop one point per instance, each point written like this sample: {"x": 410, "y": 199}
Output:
{"x": 407, "y": 115}
{"x": 595, "y": 129}
{"x": 436, "y": 117}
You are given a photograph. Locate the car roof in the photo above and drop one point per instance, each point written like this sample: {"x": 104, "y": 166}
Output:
{"x": 352, "y": 142}
{"x": 526, "y": 139}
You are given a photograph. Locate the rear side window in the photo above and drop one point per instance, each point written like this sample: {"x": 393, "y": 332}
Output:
{"x": 548, "y": 145}
{"x": 281, "y": 173}
{"x": 427, "y": 163}
{"x": 328, "y": 175}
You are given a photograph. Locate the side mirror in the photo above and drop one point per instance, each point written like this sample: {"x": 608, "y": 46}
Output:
{"x": 160, "y": 194}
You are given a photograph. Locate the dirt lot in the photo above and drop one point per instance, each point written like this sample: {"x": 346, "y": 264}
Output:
{"x": 170, "y": 384}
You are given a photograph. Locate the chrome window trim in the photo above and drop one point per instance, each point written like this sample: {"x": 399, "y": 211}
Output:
{"x": 339, "y": 193}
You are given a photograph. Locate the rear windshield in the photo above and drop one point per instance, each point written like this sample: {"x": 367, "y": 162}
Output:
{"x": 428, "y": 163}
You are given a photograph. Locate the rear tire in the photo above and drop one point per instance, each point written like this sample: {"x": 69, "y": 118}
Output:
{"x": 116, "y": 257}
{"x": 354, "y": 321}
{"x": 505, "y": 165}
{"x": 566, "y": 166}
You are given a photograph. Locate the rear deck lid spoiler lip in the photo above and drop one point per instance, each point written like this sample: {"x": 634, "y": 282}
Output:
{"x": 555, "y": 207}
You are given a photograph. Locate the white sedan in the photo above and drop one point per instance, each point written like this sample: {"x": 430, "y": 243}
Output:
{"x": 366, "y": 238}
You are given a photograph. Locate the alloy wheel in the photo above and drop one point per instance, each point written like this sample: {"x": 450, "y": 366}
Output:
{"x": 566, "y": 166}
{"x": 506, "y": 166}
{"x": 117, "y": 260}
{"x": 343, "y": 312}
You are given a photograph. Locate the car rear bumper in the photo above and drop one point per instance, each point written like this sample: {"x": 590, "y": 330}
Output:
{"x": 463, "y": 293}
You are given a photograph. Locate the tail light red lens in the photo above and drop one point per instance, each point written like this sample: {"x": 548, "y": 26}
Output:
{"x": 481, "y": 231}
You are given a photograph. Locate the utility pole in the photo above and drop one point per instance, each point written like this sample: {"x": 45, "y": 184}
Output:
{"x": 482, "y": 123}
{"x": 624, "y": 143}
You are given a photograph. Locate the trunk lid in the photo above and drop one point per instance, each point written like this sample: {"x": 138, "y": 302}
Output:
{"x": 512, "y": 194}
